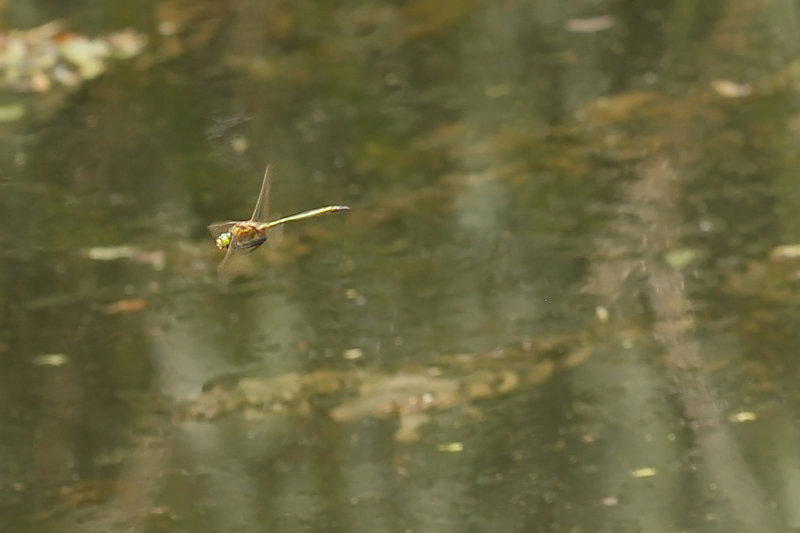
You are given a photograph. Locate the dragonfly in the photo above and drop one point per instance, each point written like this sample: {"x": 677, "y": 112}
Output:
{"x": 239, "y": 237}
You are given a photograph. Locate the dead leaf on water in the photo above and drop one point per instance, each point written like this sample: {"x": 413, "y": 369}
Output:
{"x": 450, "y": 447}
{"x": 577, "y": 356}
{"x": 11, "y": 112}
{"x": 743, "y": 416}
{"x": 353, "y": 353}
{"x": 540, "y": 372}
{"x": 786, "y": 251}
{"x": 110, "y": 253}
{"x": 408, "y": 431}
{"x": 731, "y": 89}
{"x": 399, "y": 394}
{"x": 589, "y": 25}
{"x": 156, "y": 259}
{"x": 129, "y": 305}
{"x": 610, "y": 501}
{"x": 643, "y": 472}
{"x": 508, "y": 382}
{"x": 679, "y": 257}
{"x": 50, "y": 359}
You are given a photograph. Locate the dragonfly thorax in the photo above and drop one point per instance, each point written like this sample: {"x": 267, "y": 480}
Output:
{"x": 248, "y": 235}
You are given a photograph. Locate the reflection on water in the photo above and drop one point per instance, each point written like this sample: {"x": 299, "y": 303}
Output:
{"x": 552, "y": 306}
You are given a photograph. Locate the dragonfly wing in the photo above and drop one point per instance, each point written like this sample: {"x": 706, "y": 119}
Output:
{"x": 227, "y": 269}
{"x": 218, "y": 228}
{"x": 261, "y": 212}
{"x": 231, "y": 264}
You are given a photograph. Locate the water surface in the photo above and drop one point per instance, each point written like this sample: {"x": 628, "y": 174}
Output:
{"x": 557, "y": 302}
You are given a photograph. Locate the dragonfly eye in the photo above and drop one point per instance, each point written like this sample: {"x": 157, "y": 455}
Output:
{"x": 224, "y": 240}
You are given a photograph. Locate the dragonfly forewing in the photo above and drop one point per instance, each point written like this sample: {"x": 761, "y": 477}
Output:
{"x": 261, "y": 211}
{"x": 229, "y": 267}
{"x": 218, "y": 228}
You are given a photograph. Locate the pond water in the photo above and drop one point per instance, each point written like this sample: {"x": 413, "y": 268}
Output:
{"x": 564, "y": 297}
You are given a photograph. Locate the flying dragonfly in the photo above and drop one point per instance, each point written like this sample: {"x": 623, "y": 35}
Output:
{"x": 239, "y": 237}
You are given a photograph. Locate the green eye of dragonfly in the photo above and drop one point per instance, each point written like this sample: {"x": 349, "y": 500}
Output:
{"x": 224, "y": 240}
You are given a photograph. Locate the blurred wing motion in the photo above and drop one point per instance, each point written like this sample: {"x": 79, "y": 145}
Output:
{"x": 229, "y": 267}
{"x": 261, "y": 211}
{"x": 218, "y": 228}
{"x": 240, "y": 237}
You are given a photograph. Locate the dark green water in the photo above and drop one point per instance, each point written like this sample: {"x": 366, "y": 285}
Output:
{"x": 559, "y": 260}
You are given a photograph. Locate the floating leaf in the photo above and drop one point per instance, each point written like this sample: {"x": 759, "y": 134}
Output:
{"x": 110, "y": 253}
{"x": 353, "y": 353}
{"x": 743, "y": 416}
{"x": 786, "y": 251}
{"x": 130, "y": 305}
{"x": 610, "y": 501}
{"x": 11, "y": 112}
{"x": 731, "y": 89}
{"x": 643, "y": 472}
{"x": 590, "y": 25}
{"x": 126, "y": 43}
{"x": 50, "y": 359}
{"x": 679, "y": 257}
{"x": 85, "y": 54}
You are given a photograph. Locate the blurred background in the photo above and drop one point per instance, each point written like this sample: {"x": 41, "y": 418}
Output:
{"x": 564, "y": 299}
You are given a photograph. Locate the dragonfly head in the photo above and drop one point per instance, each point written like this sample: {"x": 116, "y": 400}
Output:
{"x": 224, "y": 240}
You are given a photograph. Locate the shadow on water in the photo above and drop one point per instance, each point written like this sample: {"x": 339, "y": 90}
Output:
{"x": 563, "y": 298}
